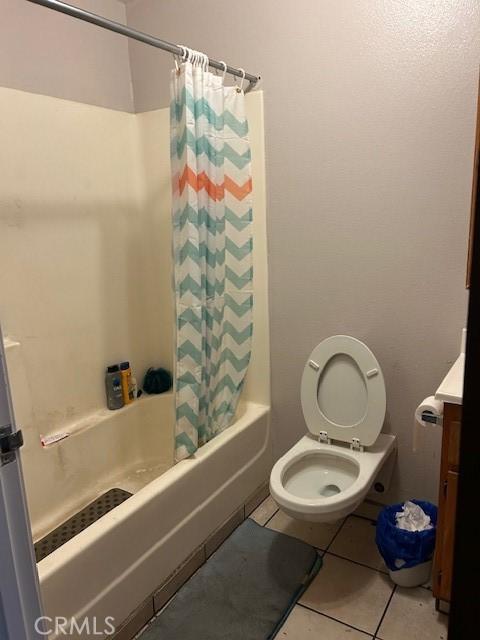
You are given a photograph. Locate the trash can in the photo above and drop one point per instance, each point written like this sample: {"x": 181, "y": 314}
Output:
{"x": 407, "y": 554}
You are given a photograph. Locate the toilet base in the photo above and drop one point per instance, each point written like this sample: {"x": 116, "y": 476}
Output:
{"x": 328, "y": 518}
{"x": 381, "y": 484}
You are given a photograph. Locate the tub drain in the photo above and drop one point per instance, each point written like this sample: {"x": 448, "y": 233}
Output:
{"x": 330, "y": 490}
{"x": 80, "y": 521}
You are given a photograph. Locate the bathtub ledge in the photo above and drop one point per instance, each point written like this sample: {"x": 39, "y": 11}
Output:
{"x": 97, "y": 418}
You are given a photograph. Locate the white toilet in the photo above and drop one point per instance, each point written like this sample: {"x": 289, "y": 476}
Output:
{"x": 328, "y": 473}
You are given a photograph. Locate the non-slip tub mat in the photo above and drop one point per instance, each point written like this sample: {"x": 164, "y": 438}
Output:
{"x": 80, "y": 521}
{"x": 243, "y": 592}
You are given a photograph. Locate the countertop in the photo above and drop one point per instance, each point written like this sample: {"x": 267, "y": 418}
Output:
{"x": 451, "y": 388}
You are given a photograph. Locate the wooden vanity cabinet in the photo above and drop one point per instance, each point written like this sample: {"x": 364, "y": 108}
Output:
{"x": 447, "y": 503}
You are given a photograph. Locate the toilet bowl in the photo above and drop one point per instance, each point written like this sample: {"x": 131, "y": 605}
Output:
{"x": 328, "y": 472}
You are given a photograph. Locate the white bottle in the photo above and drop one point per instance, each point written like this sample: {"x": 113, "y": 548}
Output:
{"x": 133, "y": 389}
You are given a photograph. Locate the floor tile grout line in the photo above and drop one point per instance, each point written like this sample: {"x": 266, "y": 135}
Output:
{"x": 385, "y": 611}
{"x": 361, "y": 564}
{"x": 168, "y": 602}
{"x": 270, "y": 518}
{"x": 357, "y": 515}
{"x": 336, "y": 534}
{"x": 325, "y": 615}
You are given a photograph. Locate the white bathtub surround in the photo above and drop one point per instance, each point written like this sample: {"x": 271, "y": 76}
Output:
{"x": 127, "y": 449}
{"x": 85, "y": 227}
{"x": 80, "y": 289}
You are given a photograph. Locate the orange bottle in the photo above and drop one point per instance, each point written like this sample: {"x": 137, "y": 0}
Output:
{"x": 126, "y": 373}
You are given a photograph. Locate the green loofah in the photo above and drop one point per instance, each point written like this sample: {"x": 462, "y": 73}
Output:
{"x": 157, "y": 381}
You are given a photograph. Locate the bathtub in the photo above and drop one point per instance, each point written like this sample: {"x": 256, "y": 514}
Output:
{"x": 56, "y": 358}
{"x": 111, "y": 567}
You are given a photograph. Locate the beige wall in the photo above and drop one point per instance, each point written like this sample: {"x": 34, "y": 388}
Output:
{"x": 77, "y": 278}
{"x": 369, "y": 114}
{"x": 45, "y": 52}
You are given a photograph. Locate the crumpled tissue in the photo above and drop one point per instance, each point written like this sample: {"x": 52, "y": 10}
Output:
{"x": 413, "y": 518}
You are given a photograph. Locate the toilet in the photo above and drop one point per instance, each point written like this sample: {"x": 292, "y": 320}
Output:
{"x": 328, "y": 473}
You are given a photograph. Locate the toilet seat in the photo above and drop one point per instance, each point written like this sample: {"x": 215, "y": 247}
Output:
{"x": 324, "y": 508}
{"x": 343, "y": 392}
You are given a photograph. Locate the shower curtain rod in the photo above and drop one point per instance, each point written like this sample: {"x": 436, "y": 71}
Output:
{"x": 105, "y": 23}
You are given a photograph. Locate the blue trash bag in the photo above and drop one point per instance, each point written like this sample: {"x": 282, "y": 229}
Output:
{"x": 413, "y": 547}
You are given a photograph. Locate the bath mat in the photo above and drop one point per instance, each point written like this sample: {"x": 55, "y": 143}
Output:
{"x": 244, "y": 591}
{"x": 80, "y": 521}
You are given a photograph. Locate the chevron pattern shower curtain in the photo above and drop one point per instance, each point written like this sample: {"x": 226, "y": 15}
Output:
{"x": 212, "y": 241}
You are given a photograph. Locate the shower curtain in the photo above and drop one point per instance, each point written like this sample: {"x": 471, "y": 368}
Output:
{"x": 212, "y": 246}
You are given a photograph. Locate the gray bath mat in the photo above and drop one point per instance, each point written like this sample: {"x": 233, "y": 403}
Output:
{"x": 243, "y": 592}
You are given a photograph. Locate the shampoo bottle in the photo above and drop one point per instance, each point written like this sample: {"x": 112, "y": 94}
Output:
{"x": 126, "y": 373}
{"x": 113, "y": 387}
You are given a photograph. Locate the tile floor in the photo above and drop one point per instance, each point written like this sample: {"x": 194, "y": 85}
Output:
{"x": 352, "y": 597}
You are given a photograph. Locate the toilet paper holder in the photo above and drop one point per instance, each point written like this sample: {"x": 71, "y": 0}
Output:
{"x": 432, "y": 418}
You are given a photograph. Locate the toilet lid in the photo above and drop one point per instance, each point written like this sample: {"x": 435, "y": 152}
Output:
{"x": 343, "y": 391}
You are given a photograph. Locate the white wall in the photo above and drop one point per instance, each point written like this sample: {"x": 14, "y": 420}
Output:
{"x": 46, "y": 52}
{"x": 369, "y": 115}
